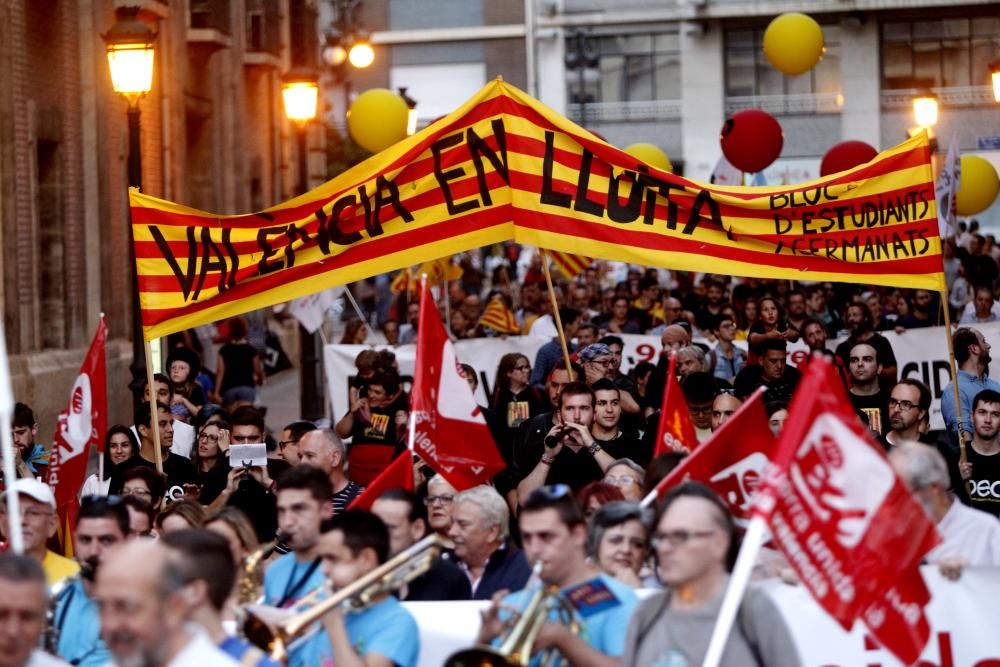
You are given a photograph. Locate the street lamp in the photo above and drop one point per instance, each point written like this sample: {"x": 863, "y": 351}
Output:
{"x": 995, "y": 74}
{"x": 411, "y": 116}
{"x": 300, "y": 92}
{"x": 925, "y": 110}
{"x": 361, "y": 54}
{"x": 130, "y": 58}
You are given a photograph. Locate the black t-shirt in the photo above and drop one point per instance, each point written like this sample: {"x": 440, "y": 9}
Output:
{"x": 984, "y": 485}
{"x": 574, "y": 469}
{"x": 875, "y": 409}
{"x": 626, "y": 446}
{"x": 238, "y": 358}
{"x": 781, "y": 389}
{"x": 883, "y": 350}
{"x": 178, "y": 470}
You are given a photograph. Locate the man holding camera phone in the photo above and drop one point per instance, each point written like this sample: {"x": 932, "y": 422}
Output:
{"x": 569, "y": 454}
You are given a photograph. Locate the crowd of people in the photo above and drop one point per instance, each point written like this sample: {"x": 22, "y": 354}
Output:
{"x": 578, "y": 440}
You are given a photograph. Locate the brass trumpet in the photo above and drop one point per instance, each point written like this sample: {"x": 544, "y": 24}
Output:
{"x": 261, "y": 629}
{"x": 515, "y": 649}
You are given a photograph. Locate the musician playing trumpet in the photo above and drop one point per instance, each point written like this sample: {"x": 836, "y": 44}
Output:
{"x": 554, "y": 533}
{"x": 382, "y": 634}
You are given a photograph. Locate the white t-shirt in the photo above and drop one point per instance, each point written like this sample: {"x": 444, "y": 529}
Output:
{"x": 93, "y": 487}
{"x": 969, "y": 534}
{"x": 40, "y": 658}
{"x": 202, "y": 652}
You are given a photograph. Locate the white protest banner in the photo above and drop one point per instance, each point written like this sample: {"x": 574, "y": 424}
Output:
{"x": 963, "y": 632}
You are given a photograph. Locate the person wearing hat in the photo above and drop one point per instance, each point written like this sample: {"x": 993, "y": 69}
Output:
{"x": 38, "y": 524}
{"x": 598, "y": 362}
{"x": 183, "y": 366}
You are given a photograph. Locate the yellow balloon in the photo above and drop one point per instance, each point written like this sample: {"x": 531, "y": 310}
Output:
{"x": 793, "y": 43}
{"x": 979, "y": 186}
{"x": 651, "y": 155}
{"x": 377, "y": 119}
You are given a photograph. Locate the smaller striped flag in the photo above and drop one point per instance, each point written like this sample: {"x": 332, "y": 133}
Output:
{"x": 570, "y": 265}
{"x": 499, "y": 317}
{"x": 403, "y": 282}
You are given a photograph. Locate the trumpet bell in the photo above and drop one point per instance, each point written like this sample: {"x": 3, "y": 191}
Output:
{"x": 481, "y": 656}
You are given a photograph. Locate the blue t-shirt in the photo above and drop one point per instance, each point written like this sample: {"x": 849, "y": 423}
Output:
{"x": 287, "y": 580}
{"x": 79, "y": 625}
{"x": 386, "y": 628}
{"x": 602, "y": 605}
{"x": 236, "y": 648}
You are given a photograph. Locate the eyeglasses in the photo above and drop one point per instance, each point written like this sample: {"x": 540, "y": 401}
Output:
{"x": 444, "y": 501}
{"x": 205, "y": 437}
{"x": 678, "y": 538}
{"x": 35, "y": 514}
{"x": 137, "y": 492}
{"x": 607, "y": 363}
{"x": 902, "y": 405}
{"x": 620, "y": 480}
{"x": 287, "y": 443}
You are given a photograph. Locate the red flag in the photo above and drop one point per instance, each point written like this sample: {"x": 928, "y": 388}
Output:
{"x": 732, "y": 462}
{"x": 846, "y": 523}
{"x": 675, "y": 431}
{"x": 450, "y": 433}
{"x": 397, "y": 475}
{"x": 82, "y": 424}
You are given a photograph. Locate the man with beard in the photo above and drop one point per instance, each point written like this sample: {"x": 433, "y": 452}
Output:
{"x": 796, "y": 310}
{"x": 909, "y": 402}
{"x": 814, "y": 335}
{"x": 570, "y": 454}
{"x": 773, "y": 372}
{"x": 532, "y": 432}
{"x": 23, "y": 603}
{"x": 972, "y": 353}
{"x": 101, "y": 524}
{"x": 859, "y": 321}
{"x": 866, "y": 396}
{"x": 145, "y": 611}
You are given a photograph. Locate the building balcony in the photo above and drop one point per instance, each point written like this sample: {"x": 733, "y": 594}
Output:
{"x": 621, "y": 112}
{"x": 209, "y": 27}
{"x": 263, "y": 26}
{"x": 957, "y": 96}
{"x": 786, "y": 105}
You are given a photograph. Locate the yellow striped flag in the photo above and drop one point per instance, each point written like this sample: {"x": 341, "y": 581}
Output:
{"x": 505, "y": 167}
{"x": 402, "y": 282}
{"x": 570, "y": 265}
{"x": 499, "y": 317}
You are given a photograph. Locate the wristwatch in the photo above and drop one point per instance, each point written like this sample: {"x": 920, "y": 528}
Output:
{"x": 594, "y": 448}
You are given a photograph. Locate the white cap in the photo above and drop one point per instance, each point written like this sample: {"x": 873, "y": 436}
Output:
{"x": 32, "y": 488}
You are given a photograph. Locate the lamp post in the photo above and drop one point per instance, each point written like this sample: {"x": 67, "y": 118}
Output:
{"x": 582, "y": 53}
{"x": 411, "y": 116}
{"x": 925, "y": 110}
{"x": 130, "y": 52}
{"x": 300, "y": 92}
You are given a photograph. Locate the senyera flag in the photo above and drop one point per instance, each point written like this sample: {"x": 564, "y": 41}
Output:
{"x": 845, "y": 521}
{"x": 397, "y": 475}
{"x": 82, "y": 424}
{"x": 449, "y": 431}
{"x": 675, "y": 432}
{"x": 732, "y": 462}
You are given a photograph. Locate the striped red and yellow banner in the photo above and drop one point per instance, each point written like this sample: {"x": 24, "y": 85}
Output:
{"x": 499, "y": 317}
{"x": 570, "y": 265}
{"x": 502, "y": 167}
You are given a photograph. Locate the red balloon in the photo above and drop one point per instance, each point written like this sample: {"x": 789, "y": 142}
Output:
{"x": 846, "y": 155}
{"x": 751, "y": 140}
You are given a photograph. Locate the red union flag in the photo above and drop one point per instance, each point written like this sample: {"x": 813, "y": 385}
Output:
{"x": 846, "y": 523}
{"x": 82, "y": 424}
{"x": 732, "y": 462}
{"x": 450, "y": 433}
{"x": 675, "y": 432}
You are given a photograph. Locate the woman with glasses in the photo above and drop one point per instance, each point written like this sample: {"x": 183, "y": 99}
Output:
{"x": 209, "y": 459}
{"x": 514, "y": 400}
{"x": 627, "y": 476}
{"x": 145, "y": 483}
{"x": 120, "y": 445}
{"x": 618, "y": 541}
{"x": 695, "y": 545}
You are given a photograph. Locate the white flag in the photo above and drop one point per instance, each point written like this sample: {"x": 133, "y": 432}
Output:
{"x": 949, "y": 181}
{"x": 310, "y": 310}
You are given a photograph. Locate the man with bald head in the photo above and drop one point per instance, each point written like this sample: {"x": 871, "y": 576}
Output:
{"x": 325, "y": 450}
{"x": 145, "y": 611}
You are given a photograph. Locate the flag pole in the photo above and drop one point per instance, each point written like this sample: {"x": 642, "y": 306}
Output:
{"x": 16, "y": 536}
{"x": 962, "y": 432}
{"x": 555, "y": 315}
{"x": 354, "y": 304}
{"x": 412, "y": 436}
{"x": 738, "y": 582}
{"x": 154, "y": 412}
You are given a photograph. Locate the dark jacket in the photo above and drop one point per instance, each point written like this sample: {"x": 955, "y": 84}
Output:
{"x": 507, "y": 569}
{"x": 443, "y": 581}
